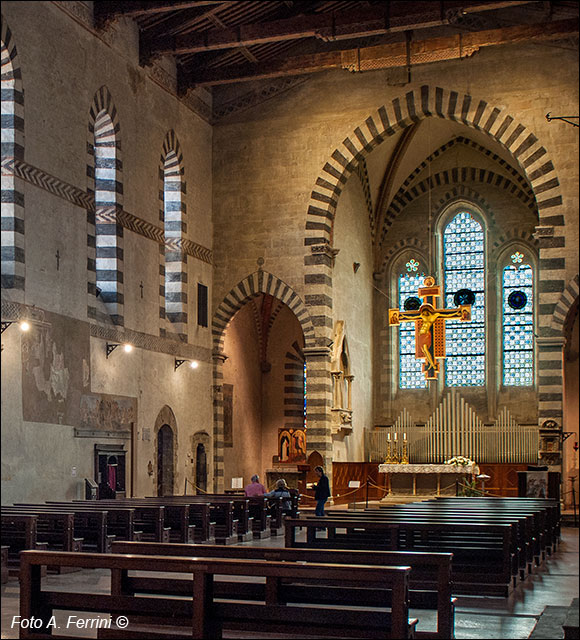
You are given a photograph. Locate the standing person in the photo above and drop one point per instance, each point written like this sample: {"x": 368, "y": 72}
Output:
{"x": 255, "y": 488}
{"x": 322, "y": 491}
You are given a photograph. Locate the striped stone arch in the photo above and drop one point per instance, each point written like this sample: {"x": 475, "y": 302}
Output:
{"x": 172, "y": 256}
{"x": 105, "y": 233}
{"x": 13, "y": 258}
{"x": 516, "y": 175}
{"x": 567, "y": 300}
{"x": 259, "y": 282}
{"x": 510, "y": 236}
{"x": 391, "y": 118}
{"x": 459, "y": 175}
{"x": 253, "y": 285}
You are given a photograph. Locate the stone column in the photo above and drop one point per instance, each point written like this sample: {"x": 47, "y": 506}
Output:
{"x": 319, "y": 403}
{"x": 218, "y": 421}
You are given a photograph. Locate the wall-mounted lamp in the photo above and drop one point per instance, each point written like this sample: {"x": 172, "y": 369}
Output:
{"x": 192, "y": 363}
{"x": 24, "y": 326}
{"x": 111, "y": 346}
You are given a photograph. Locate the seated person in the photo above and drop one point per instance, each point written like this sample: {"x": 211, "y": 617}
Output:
{"x": 256, "y": 488}
{"x": 281, "y": 491}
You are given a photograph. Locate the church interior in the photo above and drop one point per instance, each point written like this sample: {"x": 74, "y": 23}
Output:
{"x": 256, "y": 237}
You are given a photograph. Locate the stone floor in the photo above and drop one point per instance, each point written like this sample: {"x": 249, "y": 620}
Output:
{"x": 554, "y": 584}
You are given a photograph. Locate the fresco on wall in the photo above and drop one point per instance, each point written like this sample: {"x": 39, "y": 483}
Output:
{"x": 54, "y": 369}
{"x": 103, "y": 412}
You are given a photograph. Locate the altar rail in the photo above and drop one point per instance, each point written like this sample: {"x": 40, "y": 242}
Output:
{"x": 434, "y": 443}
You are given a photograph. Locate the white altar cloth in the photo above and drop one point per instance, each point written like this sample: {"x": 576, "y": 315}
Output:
{"x": 398, "y": 473}
{"x": 427, "y": 468}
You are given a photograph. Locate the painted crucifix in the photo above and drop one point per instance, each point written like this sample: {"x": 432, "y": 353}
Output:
{"x": 429, "y": 322}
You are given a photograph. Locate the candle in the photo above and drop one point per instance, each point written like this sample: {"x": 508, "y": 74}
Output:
{"x": 395, "y": 435}
{"x": 404, "y": 436}
{"x": 388, "y": 436}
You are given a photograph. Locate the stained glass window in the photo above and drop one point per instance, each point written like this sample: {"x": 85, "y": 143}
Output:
{"x": 464, "y": 268}
{"x": 410, "y": 374}
{"x": 518, "y": 324}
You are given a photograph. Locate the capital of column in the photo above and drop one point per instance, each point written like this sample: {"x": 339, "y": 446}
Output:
{"x": 219, "y": 357}
{"x": 550, "y": 341}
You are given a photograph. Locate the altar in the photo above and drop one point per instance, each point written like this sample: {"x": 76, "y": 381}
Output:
{"x": 425, "y": 479}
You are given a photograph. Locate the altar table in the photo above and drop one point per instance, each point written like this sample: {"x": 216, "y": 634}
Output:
{"x": 402, "y": 478}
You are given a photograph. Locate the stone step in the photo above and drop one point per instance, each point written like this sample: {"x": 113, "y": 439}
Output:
{"x": 549, "y": 624}
{"x": 570, "y": 625}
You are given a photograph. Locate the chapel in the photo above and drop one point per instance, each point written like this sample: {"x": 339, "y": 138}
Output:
{"x": 221, "y": 222}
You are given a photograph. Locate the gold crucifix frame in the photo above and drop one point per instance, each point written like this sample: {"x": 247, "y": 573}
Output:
{"x": 429, "y": 322}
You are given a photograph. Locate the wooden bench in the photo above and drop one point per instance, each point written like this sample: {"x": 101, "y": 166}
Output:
{"x": 522, "y": 543}
{"x": 120, "y": 520}
{"x": 429, "y": 586}
{"x": 202, "y": 615}
{"x": 18, "y": 534}
{"x": 483, "y": 559}
{"x": 89, "y": 524}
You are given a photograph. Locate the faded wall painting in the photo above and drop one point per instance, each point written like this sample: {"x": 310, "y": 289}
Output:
{"x": 55, "y": 369}
{"x": 103, "y": 412}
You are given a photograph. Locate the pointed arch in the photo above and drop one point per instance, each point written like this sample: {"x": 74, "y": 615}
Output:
{"x": 13, "y": 256}
{"x": 567, "y": 300}
{"x": 477, "y": 113}
{"x": 105, "y": 233}
{"x": 259, "y": 282}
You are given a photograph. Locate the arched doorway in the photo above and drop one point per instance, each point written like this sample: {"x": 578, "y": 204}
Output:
{"x": 165, "y": 471}
{"x": 201, "y": 468}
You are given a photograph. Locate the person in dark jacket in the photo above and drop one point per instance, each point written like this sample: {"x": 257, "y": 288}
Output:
{"x": 322, "y": 491}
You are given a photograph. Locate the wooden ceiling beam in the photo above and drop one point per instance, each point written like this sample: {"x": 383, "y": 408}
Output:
{"x": 395, "y": 17}
{"x": 386, "y": 56}
{"x": 113, "y": 10}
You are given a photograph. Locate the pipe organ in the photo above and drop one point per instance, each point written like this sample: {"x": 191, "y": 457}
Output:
{"x": 454, "y": 429}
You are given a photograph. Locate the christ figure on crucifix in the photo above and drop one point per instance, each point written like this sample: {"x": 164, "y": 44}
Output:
{"x": 430, "y": 322}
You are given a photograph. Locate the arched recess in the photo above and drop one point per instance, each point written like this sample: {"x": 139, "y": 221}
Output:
{"x": 172, "y": 257}
{"x": 105, "y": 233}
{"x": 13, "y": 257}
{"x": 166, "y": 418}
{"x": 253, "y": 285}
{"x": 391, "y": 118}
{"x": 200, "y": 444}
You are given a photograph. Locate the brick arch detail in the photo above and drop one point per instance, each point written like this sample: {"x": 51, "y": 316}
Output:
{"x": 13, "y": 245}
{"x": 477, "y": 113}
{"x": 511, "y": 236}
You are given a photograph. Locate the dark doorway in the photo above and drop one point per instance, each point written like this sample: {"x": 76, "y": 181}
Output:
{"x": 200, "y": 469}
{"x": 165, "y": 461}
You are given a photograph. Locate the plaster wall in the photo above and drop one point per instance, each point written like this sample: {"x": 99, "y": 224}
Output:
{"x": 63, "y": 64}
{"x": 353, "y": 304}
{"x": 242, "y": 370}
{"x": 266, "y": 160}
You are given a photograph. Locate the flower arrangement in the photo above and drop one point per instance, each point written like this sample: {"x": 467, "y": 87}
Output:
{"x": 460, "y": 461}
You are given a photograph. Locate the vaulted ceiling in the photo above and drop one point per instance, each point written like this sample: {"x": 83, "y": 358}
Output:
{"x": 223, "y": 42}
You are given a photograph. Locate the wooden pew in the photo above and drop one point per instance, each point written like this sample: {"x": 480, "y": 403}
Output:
{"x": 149, "y": 517}
{"x": 120, "y": 520}
{"x": 90, "y": 525}
{"x": 429, "y": 586}
{"x": 18, "y": 534}
{"x": 521, "y": 544}
{"x": 202, "y": 616}
{"x": 259, "y": 510}
{"x": 483, "y": 560}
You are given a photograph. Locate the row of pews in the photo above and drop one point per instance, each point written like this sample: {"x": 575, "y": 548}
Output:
{"x": 349, "y": 574}
{"x": 93, "y": 526}
{"x": 496, "y": 542}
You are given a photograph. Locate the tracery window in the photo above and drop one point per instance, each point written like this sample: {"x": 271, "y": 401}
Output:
{"x": 464, "y": 268}
{"x": 411, "y": 375}
{"x": 518, "y": 322}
